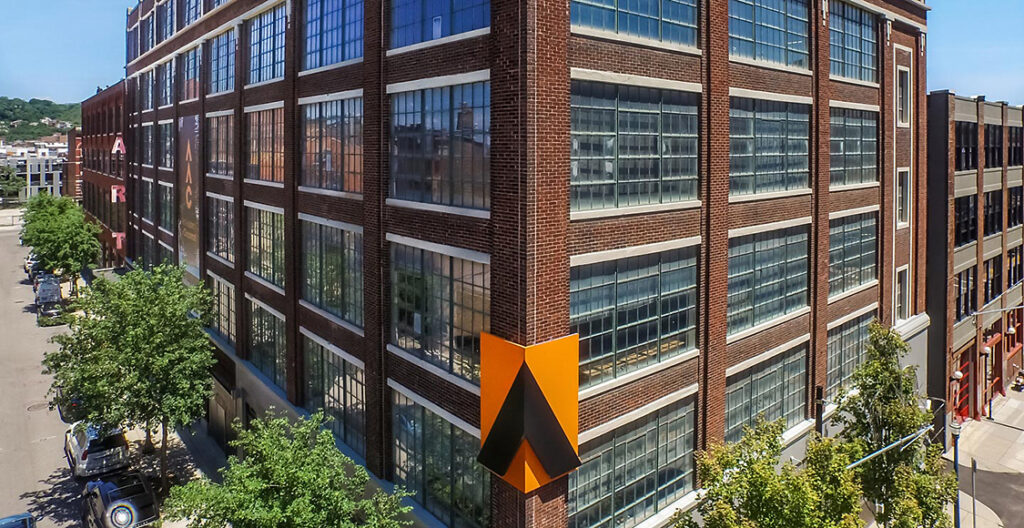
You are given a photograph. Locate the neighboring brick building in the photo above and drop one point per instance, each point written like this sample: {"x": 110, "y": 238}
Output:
{"x": 103, "y": 167}
{"x": 712, "y": 197}
{"x": 976, "y": 210}
{"x": 71, "y": 185}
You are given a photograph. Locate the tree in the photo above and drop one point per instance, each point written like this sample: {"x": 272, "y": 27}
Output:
{"x": 292, "y": 476}
{"x": 745, "y": 487}
{"x": 909, "y": 482}
{"x": 139, "y": 354}
{"x": 10, "y": 183}
{"x": 60, "y": 235}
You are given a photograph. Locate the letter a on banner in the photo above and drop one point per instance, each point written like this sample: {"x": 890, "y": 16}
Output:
{"x": 529, "y": 410}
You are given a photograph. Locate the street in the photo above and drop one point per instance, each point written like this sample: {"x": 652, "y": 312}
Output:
{"x": 35, "y": 476}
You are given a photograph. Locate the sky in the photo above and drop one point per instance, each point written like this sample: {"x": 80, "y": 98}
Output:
{"x": 63, "y": 49}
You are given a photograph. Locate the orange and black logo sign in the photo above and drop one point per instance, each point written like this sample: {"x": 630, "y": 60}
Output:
{"x": 529, "y": 410}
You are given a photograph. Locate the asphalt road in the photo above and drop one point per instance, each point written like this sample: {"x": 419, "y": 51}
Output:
{"x": 34, "y": 476}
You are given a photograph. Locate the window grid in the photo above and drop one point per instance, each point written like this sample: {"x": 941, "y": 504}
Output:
{"x": 333, "y": 32}
{"x": 903, "y": 197}
{"x": 632, "y": 472}
{"x": 220, "y": 148}
{"x": 148, "y": 199}
{"x": 165, "y": 20}
{"x": 769, "y": 146}
{"x": 993, "y": 212}
{"x": 853, "y": 144}
{"x": 332, "y": 269}
{"x": 147, "y": 26}
{"x": 339, "y": 389}
{"x": 415, "y": 21}
{"x": 266, "y": 42}
{"x": 266, "y": 245}
{"x": 193, "y": 10}
{"x": 168, "y": 218}
{"x": 165, "y": 83}
{"x": 853, "y": 36}
{"x": 440, "y": 305}
{"x": 965, "y": 218}
{"x": 267, "y": 345}
{"x": 166, "y": 154}
{"x": 673, "y": 21}
{"x": 632, "y": 146}
{"x": 436, "y": 462}
{"x": 440, "y": 145}
{"x": 993, "y": 146}
{"x": 222, "y": 62}
{"x": 767, "y": 276}
{"x": 847, "y": 349}
{"x": 775, "y": 389}
{"x": 190, "y": 74}
{"x": 1014, "y": 266}
{"x": 266, "y": 145}
{"x": 1015, "y": 207}
{"x": 220, "y": 239}
{"x": 633, "y": 312}
{"x": 770, "y": 30}
{"x": 903, "y": 294}
{"x": 146, "y": 90}
{"x": 965, "y": 286}
{"x": 1015, "y": 146}
{"x": 853, "y": 252}
{"x": 332, "y": 145}
{"x": 993, "y": 278}
{"x": 146, "y": 146}
{"x": 904, "y": 99}
{"x": 223, "y": 321}
{"x": 966, "y": 144}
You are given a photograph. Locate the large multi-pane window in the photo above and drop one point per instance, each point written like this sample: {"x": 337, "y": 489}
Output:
{"x": 193, "y": 9}
{"x": 439, "y": 306}
{"x": 265, "y": 132}
{"x": 903, "y": 194}
{"x": 148, "y": 197}
{"x": 222, "y": 62}
{"x": 636, "y": 470}
{"x": 332, "y": 145}
{"x": 336, "y": 386}
{"x": 633, "y": 312}
{"x": 165, "y": 20}
{"x": 632, "y": 146}
{"x": 189, "y": 64}
{"x": 132, "y": 44}
{"x": 146, "y": 90}
{"x": 146, "y": 145}
{"x": 266, "y": 45}
{"x": 672, "y": 21}
{"x": 965, "y": 287}
{"x": 441, "y": 145}
{"x": 436, "y": 461}
{"x": 965, "y": 219}
{"x": 853, "y": 147}
{"x": 852, "y": 252}
{"x": 220, "y": 223}
{"x": 775, "y": 388}
{"x": 266, "y": 245}
{"x": 769, "y": 146}
{"x": 167, "y": 210}
{"x": 267, "y": 342}
{"x": 904, "y": 99}
{"x": 223, "y": 320}
{"x": 993, "y": 278}
{"x": 847, "y": 348}
{"x": 966, "y": 144}
{"x": 767, "y": 276}
{"x": 993, "y": 212}
{"x": 1015, "y": 206}
{"x": 220, "y": 145}
{"x": 1014, "y": 265}
{"x": 147, "y": 32}
{"x": 993, "y": 146}
{"x": 165, "y": 83}
{"x": 332, "y": 32}
{"x": 770, "y": 30}
{"x": 853, "y": 39}
{"x": 332, "y": 269}
{"x": 165, "y": 158}
{"x": 415, "y": 21}
{"x": 1015, "y": 146}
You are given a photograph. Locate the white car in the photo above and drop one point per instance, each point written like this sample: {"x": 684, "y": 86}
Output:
{"x": 90, "y": 454}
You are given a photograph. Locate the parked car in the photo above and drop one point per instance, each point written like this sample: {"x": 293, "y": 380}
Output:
{"x": 30, "y": 261}
{"x": 44, "y": 277}
{"x": 69, "y": 407}
{"x": 122, "y": 501}
{"x": 22, "y": 520}
{"x": 49, "y": 300}
{"x": 90, "y": 451}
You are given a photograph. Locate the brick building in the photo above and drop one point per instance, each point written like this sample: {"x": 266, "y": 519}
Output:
{"x": 716, "y": 198}
{"x": 71, "y": 184}
{"x": 976, "y": 210}
{"x": 103, "y": 160}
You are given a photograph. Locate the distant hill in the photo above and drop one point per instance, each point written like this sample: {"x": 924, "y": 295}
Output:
{"x": 20, "y": 119}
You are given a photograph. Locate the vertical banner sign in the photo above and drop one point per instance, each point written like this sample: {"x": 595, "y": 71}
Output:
{"x": 529, "y": 409}
{"x": 188, "y": 195}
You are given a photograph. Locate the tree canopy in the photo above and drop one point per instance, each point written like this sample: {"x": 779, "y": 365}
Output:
{"x": 10, "y": 183}
{"x": 292, "y": 476}
{"x": 59, "y": 234}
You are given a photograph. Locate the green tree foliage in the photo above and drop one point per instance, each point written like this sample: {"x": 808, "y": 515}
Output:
{"x": 10, "y": 183}
{"x": 60, "y": 236}
{"x": 745, "y": 487}
{"x": 13, "y": 109}
{"x": 138, "y": 354}
{"x": 908, "y": 482}
{"x": 292, "y": 476}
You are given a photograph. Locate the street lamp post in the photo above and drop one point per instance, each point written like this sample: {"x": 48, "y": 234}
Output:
{"x": 986, "y": 380}
{"x": 954, "y": 429}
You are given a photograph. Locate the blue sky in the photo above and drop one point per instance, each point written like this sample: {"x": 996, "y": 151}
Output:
{"x": 63, "y": 49}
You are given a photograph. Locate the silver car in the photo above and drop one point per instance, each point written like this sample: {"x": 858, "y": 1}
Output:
{"x": 90, "y": 452}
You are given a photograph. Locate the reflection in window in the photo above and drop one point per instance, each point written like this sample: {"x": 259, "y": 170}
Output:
{"x": 770, "y": 30}
{"x": 332, "y": 32}
{"x": 769, "y": 146}
{"x": 337, "y": 387}
{"x": 415, "y": 21}
{"x": 672, "y": 21}
{"x": 267, "y": 343}
{"x": 767, "y": 276}
{"x": 266, "y": 145}
{"x": 332, "y": 270}
{"x": 774, "y": 389}
{"x": 332, "y": 145}
{"x": 853, "y": 147}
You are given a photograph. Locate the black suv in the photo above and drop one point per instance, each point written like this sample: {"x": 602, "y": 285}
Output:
{"x": 119, "y": 501}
